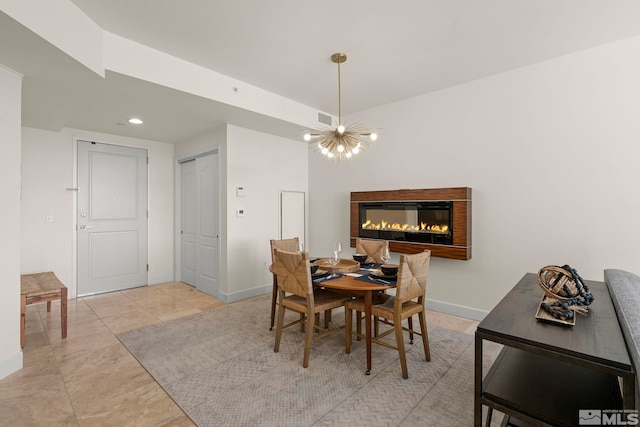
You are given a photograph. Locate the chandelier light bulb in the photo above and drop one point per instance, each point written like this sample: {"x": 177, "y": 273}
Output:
{"x": 330, "y": 155}
{"x": 373, "y": 136}
{"x": 356, "y": 149}
{"x": 307, "y": 137}
{"x": 325, "y": 151}
{"x": 341, "y": 148}
{"x": 320, "y": 147}
{"x": 340, "y": 129}
{"x": 348, "y": 154}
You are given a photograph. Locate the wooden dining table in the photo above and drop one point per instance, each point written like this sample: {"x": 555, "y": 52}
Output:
{"x": 351, "y": 286}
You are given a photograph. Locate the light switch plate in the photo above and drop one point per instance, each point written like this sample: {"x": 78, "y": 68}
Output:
{"x": 240, "y": 213}
{"x": 239, "y": 191}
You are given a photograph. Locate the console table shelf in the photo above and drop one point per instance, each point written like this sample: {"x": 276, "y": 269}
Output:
{"x": 546, "y": 373}
{"x": 545, "y": 389}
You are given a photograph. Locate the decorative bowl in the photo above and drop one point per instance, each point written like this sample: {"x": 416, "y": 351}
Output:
{"x": 360, "y": 257}
{"x": 389, "y": 269}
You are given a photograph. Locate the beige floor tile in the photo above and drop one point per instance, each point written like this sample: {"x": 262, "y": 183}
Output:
{"x": 113, "y": 307}
{"x": 148, "y": 405}
{"x": 447, "y": 321}
{"x": 115, "y": 378}
{"x": 180, "y": 290}
{"x": 175, "y": 315}
{"x": 153, "y": 299}
{"x": 129, "y": 320}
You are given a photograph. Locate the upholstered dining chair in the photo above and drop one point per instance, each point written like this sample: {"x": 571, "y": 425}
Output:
{"x": 408, "y": 301}
{"x": 294, "y": 277}
{"x": 290, "y": 245}
{"x": 373, "y": 248}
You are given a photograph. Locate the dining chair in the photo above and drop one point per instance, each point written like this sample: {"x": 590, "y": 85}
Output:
{"x": 294, "y": 277}
{"x": 408, "y": 301}
{"x": 373, "y": 248}
{"x": 290, "y": 245}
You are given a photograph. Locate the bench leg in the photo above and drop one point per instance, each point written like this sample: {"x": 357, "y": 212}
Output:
{"x": 63, "y": 311}
{"x": 23, "y": 314}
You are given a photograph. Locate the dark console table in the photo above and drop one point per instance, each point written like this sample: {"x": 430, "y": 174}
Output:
{"x": 545, "y": 372}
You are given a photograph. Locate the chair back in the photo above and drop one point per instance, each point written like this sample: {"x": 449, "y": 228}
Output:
{"x": 373, "y": 248}
{"x": 412, "y": 276}
{"x": 290, "y": 245}
{"x": 292, "y": 270}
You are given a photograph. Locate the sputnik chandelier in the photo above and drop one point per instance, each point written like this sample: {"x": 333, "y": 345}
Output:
{"x": 343, "y": 141}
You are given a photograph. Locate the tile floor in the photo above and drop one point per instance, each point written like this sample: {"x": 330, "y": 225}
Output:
{"x": 89, "y": 378}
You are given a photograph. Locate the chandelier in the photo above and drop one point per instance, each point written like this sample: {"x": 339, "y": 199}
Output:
{"x": 343, "y": 141}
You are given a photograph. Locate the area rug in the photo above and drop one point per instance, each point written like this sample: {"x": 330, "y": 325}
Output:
{"x": 220, "y": 368}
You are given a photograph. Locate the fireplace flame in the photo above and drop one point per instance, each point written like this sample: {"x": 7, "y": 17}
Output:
{"x": 422, "y": 228}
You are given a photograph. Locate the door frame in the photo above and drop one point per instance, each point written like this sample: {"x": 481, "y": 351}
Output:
{"x": 177, "y": 214}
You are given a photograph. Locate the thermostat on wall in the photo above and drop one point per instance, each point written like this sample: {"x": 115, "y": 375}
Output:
{"x": 240, "y": 191}
{"x": 240, "y": 213}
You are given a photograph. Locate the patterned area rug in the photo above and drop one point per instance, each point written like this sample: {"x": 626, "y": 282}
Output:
{"x": 220, "y": 368}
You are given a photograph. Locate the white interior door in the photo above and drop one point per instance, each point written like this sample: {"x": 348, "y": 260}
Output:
{"x": 292, "y": 215}
{"x": 112, "y": 217}
{"x": 200, "y": 208}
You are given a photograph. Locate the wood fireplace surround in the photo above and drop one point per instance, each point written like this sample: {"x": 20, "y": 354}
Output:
{"x": 457, "y": 246}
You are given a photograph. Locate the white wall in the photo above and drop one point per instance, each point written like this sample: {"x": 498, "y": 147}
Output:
{"x": 48, "y": 165}
{"x": 263, "y": 164}
{"x": 550, "y": 150}
{"x": 10, "y": 102}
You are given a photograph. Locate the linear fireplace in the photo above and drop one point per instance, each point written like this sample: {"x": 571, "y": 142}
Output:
{"x": 415, "y": 220}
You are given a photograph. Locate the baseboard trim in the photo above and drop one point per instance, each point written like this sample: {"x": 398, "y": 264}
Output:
{"x": 11, "y": 364}
{"x": 456, "y": 310}
{"x": 246, "y": 293}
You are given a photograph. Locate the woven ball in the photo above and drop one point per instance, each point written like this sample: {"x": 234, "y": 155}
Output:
{"x": 556, "y": 282}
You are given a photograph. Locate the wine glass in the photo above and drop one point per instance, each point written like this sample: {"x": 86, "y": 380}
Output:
{"x": 337, "y": 247}
{"x": 384, "y": 255}
{"x": 334, "y": 258}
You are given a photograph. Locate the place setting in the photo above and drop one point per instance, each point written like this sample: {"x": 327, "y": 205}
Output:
{"x": 385, "y": 273}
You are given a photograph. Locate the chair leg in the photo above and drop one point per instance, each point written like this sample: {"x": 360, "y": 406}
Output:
{"x": 410, "y": 323}
{"x": 301, "y": 322}
{"x": 327, "y": 318}
{"x": 274, "y": 301}
{"x": 348, "y": 313}
{"x": 397, "y": 322}
{"x": 425, "y": 336}
{"x": 376, "y": 326}
{"x": 281, "y": 310}
{"x": 308, "y": 339}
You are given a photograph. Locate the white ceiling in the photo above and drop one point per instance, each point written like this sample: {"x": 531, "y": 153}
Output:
{"x": 395, "y": 50}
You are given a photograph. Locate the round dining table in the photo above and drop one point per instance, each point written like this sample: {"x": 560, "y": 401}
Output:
{"x": 349, "y": 284}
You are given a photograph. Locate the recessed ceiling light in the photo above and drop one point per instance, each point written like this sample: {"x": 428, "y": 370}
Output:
{"x": 135, "y": 121}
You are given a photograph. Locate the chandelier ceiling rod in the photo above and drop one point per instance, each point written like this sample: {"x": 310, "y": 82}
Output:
{"x": 339, "y": 58}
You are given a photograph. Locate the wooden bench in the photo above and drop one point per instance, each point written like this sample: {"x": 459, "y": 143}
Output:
{"x": 41, "y": 287}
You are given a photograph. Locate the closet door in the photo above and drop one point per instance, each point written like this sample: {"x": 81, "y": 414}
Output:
{"x": 200, "y": 213}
